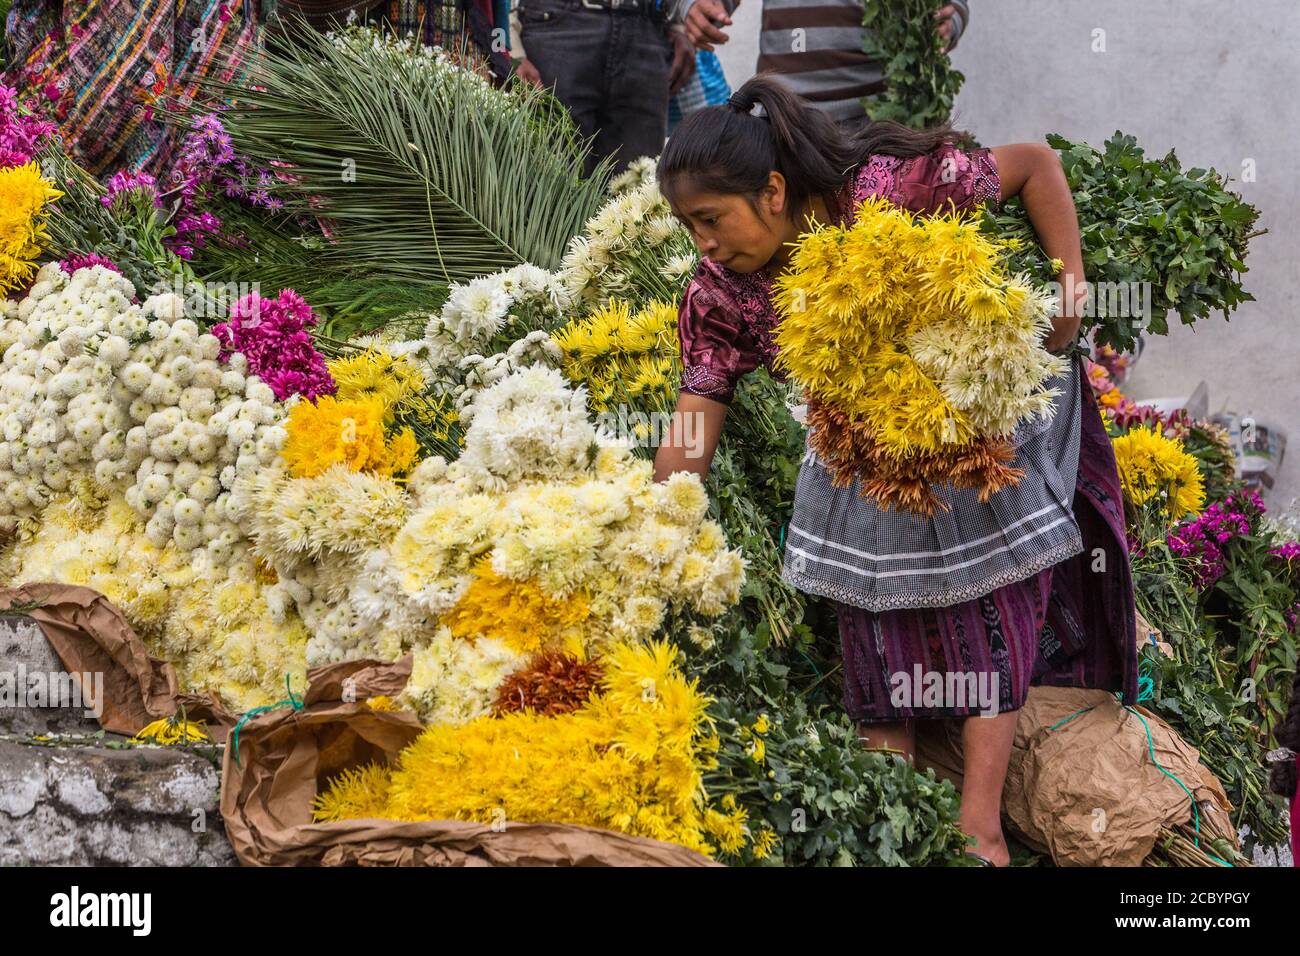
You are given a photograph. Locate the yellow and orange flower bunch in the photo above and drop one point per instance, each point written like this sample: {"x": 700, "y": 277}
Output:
{"x": 630, "y": 758}
{"x": 918, "y": 353}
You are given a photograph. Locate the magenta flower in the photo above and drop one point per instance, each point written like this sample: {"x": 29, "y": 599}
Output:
{"x": 1202, "y": 539}
{"x": 87, "y": 261}
{"x": 123, "y": 183}
{"x": 272, "y": 335}
{"x": 21, "y": 136}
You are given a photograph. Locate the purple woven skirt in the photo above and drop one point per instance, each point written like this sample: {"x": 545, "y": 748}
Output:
{"x": 1071, "y": 625}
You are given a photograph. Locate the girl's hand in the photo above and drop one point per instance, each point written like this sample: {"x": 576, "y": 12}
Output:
{"x": 1074, "y": 294}
{"x": 1033, "y": 172}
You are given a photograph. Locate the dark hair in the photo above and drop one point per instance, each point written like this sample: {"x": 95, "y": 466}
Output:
{"x": 725, "y": 149}
{"x": 1282, "y": 780}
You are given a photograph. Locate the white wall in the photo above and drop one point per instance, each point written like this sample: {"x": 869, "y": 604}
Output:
{"x": 1216, "y": 81}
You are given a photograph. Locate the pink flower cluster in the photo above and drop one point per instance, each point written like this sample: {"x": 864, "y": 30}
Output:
{"x": 1288, "y": 551}
{"x": 21, "y": 137}
{"x": 1128, "y": 415}
{"x": 1203, "y": 538}
{"x": 87, "y": 261}
{"x": 272, "y": 334}
{"x": 123, "y": 182}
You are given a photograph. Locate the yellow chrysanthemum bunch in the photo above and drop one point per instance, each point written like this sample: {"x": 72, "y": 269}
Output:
{"x": 630, "y": 759}
{"x": 349, "y": 432}
{"x": 397, "y": 384}
{"x": 918, "y": 352}
{"x": 24, "y": 195}
{"x": 622, "y": 355}
{"x": 518, "y": 613}
{"x": 1152, "y": 466}
{"x": 216, "y": 624}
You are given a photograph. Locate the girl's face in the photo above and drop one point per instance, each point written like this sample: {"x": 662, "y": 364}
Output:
{"x": 727, "y": 230}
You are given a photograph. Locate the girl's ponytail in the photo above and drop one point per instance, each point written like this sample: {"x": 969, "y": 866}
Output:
{"x": 729, "y": 149}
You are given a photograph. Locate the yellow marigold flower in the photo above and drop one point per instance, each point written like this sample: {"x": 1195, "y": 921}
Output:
{"x": 172, "y": 730}
{"x": 910, "y": 329}
{"x": 728, "y": 829}
{"x": 331, "y": 431}
{"x": 24, "y": 196}
{"x": 619, "y": 762}
{"x": 401, "y": 454}
{"x": 617, "y": 353}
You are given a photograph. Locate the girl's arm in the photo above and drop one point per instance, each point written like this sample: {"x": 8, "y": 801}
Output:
{"x": 693, "y": 437}
{"x": 1033, "y": 172}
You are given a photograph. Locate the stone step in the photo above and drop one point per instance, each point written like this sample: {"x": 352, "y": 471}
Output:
{"x": 71, "y": 794}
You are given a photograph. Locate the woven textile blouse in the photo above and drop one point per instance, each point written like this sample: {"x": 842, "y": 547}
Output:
{"x": 840, "y": 545}
{"x": 726, "y": 320}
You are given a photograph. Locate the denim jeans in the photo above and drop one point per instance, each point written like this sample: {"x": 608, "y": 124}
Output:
{"x": 610, "y": 69}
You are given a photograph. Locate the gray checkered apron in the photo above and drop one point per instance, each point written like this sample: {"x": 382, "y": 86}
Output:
{"x": 844, "y": 547}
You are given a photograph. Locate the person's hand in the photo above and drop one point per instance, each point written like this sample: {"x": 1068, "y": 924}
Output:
{"x": 699, "y": 27}
{"x": 683, "y": 67}
{"x": 528, "y": 73}
{"x": 947, "y": 28}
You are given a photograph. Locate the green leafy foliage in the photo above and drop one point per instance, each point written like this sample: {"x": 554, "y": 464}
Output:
{"x": 1198, "y": 691}
{"x": 424, "y": 171}
{"x": 1141, "y": 220}
{"x": 829, "y": 801}
{"x": 921, "y": 82}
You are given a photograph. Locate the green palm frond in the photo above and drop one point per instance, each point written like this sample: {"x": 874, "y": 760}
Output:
{"x": 425, "y": 172}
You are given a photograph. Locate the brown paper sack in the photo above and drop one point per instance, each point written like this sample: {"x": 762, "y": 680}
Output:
{"x": 1087, "y": 792}
{"x": 287, "y": 756}
{"x": 91, "y": 636}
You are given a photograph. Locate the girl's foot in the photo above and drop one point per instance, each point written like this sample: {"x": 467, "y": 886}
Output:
{"x": 990, "y": 851}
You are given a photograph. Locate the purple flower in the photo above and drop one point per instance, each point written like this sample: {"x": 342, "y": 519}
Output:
{"x": 1201, "y": 540}
{"x": 1288, "y": 551}
{"x": 124, "y": 183}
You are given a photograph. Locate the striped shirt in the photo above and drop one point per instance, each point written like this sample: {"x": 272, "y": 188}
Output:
{"x": 817, "y": 46}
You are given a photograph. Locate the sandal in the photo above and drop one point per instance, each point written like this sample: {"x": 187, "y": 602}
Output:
{"x": 983, "y": 860}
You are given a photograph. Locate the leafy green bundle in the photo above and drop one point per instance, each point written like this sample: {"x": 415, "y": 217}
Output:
{"x": 1182, "y": 233}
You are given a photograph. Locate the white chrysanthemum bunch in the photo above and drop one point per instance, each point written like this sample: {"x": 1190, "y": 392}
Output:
{"x": 453, "y": 680}
{"x": 527, "y": 425}
{"x": 552, "y": 501}
{"x": 91, "y": 383}
{"x": 639, "y": 172}
{"x": 433, "y": 61}
{"x": 220, "y": 626}
{"x": 479, "y": 314}
{"x": 633, "y": 249}
{"x": 994, "y": 373}
{"x": 319, "y": 535}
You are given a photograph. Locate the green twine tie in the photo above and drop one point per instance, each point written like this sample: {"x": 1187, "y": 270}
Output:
{"x": 293, "y": 702}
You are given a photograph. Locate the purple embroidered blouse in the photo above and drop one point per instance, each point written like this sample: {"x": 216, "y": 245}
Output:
{"x": 726, "y": 320}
